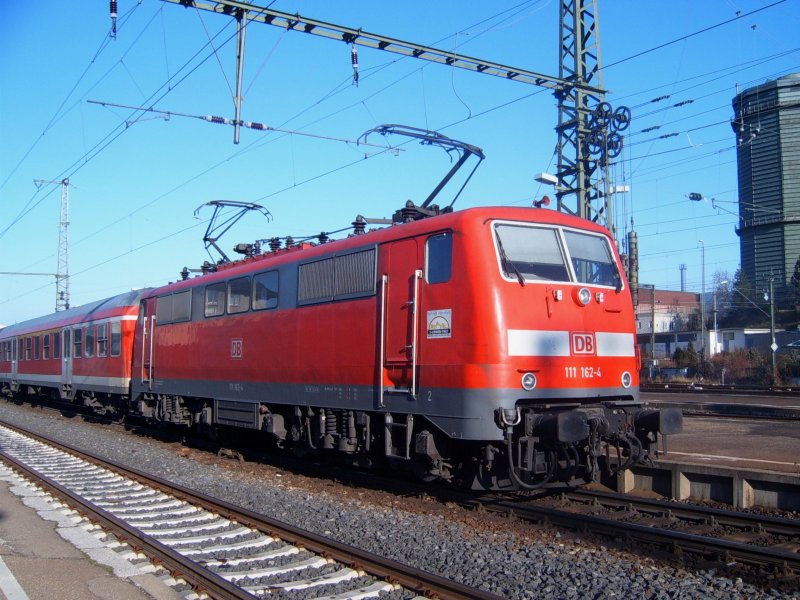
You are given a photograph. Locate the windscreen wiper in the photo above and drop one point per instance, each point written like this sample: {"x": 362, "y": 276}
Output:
{"x": 508, "y": 262}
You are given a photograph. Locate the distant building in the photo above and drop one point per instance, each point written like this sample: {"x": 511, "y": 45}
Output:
{"x": 675, "y": 319}
{"x": 766, "y": 123}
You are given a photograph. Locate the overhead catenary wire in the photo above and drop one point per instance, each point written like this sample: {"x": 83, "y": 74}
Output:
{"x": 691, "y": 35}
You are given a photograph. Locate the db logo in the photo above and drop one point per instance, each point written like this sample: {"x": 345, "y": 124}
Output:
{"x": 236, "y": 348}
{"x": 582, "y": 343}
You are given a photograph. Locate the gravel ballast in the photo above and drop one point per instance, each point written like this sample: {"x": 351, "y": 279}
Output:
{"x": 496, "y": 559}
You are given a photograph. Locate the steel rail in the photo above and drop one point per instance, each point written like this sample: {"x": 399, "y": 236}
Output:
{"x": 697, "y": 544}
{"x": 693, "y": 512}
{"x": 200, "y": 578}
{"x": 409, "y": 577}
{"x": 719, "y": 389}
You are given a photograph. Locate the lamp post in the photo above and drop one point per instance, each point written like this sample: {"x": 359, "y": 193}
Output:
{"x": 702, "y": 301}
{"x": 773, "y": 346}
{"x": 771, "y": 297}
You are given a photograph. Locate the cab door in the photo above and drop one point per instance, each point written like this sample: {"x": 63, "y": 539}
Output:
{"x": 401, "y": 274}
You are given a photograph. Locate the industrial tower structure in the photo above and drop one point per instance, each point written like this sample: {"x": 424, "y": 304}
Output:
{"x": 766, "y": 123}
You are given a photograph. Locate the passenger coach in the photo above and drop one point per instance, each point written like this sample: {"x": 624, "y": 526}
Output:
{"x": 81, "y": 353}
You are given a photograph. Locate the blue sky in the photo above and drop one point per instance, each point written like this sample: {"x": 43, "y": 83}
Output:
{"x": 138, "y": 181}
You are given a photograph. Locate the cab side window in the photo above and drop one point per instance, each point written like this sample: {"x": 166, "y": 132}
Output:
{"x": 439, "y": 258}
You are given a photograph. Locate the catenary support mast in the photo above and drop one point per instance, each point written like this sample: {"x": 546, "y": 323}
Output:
{"x": 580, "y": 63}
{"x": 578, "y": 86}
{"x": 62, "y": 272}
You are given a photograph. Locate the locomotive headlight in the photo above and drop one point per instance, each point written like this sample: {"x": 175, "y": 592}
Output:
{"x": 626, "y": 380}
{"x": 528, "y": 381}
{"x": 583, "y": 296}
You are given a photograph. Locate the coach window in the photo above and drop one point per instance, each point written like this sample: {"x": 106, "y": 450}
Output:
{"x": 46, "y": 346}
{"x": 37, "y": 347}
{"x": 215, "y": 299}
{"x": 116, "y": 338}
{"x": 56, "y": 344}
{"x": 77, "y": 339}
{"x": 439, "y": 258}
{"x": 238, "y": 295}
{"x": 67, "y": 343}
{"x": 20, "y": 349}
{"x": 88, "y": 341}
{"x": 102, "y": 339}
{"x": 265, "y": 290}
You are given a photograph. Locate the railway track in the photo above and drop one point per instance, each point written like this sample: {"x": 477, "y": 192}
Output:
{"x": 695, "y": 534}
{"x": 220, "y": 550}
{"x": 708, "y": 534}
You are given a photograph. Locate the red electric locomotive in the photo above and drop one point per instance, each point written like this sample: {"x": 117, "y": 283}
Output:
{"x": 495, "y": 346}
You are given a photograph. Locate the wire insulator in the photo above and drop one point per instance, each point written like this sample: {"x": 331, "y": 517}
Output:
{"x": 354, "y": 61}
{"x": 112, "y": 8}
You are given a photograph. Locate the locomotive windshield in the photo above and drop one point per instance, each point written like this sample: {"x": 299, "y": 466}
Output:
{"x": 537, "y": 253}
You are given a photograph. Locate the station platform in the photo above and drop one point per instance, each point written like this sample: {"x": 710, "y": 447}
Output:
{"x": 44, "y": 554}
{"x": 743, "y": 431}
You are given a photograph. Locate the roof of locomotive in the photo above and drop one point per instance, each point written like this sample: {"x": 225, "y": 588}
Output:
{"x": 98, "y": 309}
{"x": 453, "y": 220}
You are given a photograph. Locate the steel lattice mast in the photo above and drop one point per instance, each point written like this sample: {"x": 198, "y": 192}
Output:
{"x": 62, "y": 272}
{"x": 580, "y": 62}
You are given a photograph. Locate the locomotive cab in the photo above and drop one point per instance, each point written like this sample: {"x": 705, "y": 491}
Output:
{"x": 570, "y": 348}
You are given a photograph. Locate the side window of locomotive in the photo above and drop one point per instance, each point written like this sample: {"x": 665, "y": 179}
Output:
{"x": 531, "y": 252}
{"x": 164, "y": 310}
{"x": 88, "y": 345}
{"x": 238, "y": 295}
{"x": 102, "y": 339}
{"x": 439, "y": 258}
{"x": 116, "y": 338}
{"x": 265, "y": 290}
{"x": 77, "y": 339}
{"x": 215, "y": 299}
{"x": 592, "y": 259}
{"x": 56, "y": 345}
{"x": 182, "y": 306}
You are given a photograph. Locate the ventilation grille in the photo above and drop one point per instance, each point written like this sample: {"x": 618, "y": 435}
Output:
{"x": 336, "y": 278}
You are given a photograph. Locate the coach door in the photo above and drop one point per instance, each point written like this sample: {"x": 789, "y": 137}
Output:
{"x": 401, "y": 284}
{"x": 66, "y": 356}
{"x": 14, "y": 358}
